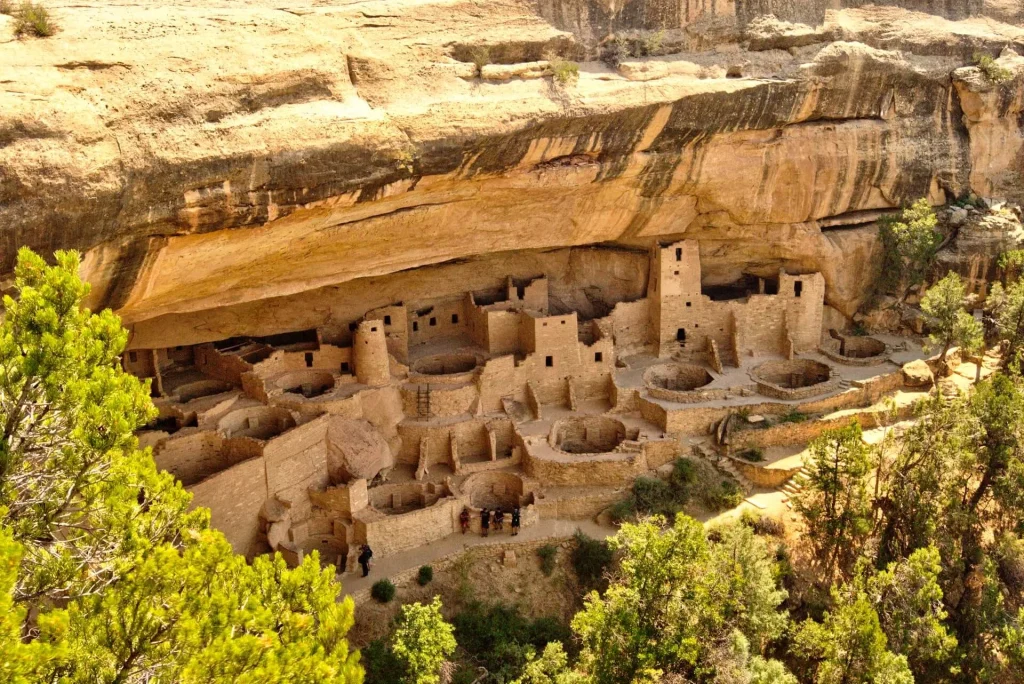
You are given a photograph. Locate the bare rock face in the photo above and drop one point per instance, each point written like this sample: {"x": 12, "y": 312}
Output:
{"x": 355, "y": 450}
{"x": 248, "y": 168}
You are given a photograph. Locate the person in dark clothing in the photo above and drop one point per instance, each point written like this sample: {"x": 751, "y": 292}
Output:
{"x": 485, "y": 522}
{"x": 515, "y": 521}
{"x": 364, "y": 559}
{"x": 464, "y": 519}
{"x": 499, "y": 520}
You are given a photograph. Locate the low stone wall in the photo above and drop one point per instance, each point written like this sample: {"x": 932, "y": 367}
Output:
{"x": 603, "y": 469}
{"x": 860, "y": 351}
{"x": 770, "y": 379}
{"x": 788, "y": 434}
{"x": 582, "y": 505}
{"x": 391, "y": 534}
{"x": 760, "y": 476}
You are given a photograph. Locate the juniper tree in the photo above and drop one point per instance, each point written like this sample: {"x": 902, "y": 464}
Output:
{"x": 949, "y": 324}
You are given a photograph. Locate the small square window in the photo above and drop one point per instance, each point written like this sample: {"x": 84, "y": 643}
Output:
{"x": 373, "y": 329}
{"x": 309, "y": 359}
{"x": 455, "y": 318}
{"x": 415, "y": 326}
{"x": 689, "y": 303}
{"x": 387, "y": 320}
{"x": 133, "y": 357}
{"x": 549, "y": 361}
{"x": 433, "y": 320}
{"x": 545, "y": 324}
{"x": 598, "y": 357}
{"x": 563, "y": 322}
{"x": 675, "y": 272}
{"x": 344, "y": 366}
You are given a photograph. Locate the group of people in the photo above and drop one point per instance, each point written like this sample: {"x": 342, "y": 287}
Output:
{"x": 487, "y": 517}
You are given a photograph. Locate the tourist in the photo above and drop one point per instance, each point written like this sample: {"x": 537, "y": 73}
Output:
{"x": 515, "y": 521}
{"x": 499, "y": 520}
{"x": 485, "y": 522}
{"x": 364, "y": 559}
{"x": 464, "y": 519}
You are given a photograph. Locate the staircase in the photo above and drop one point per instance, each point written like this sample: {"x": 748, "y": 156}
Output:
{"x": 727, "y": 465}
{"x": 793, "y": 486}
{"x": 844, "y": 385}
{"x": 423, "y": 401}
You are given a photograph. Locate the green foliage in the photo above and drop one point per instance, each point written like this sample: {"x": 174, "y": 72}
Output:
{"x": 381, "y": 664}
{"x": 547, "y": 554}
{"x": 909, "y": 245}
{"x": 123, "y": 583}
{"x": 1012, "y": 261}
{"x": 721, "y": 494}
{"x": 590, "y": 559}
{"x": 552, "y": 667}
{"x": 850, "y": 645}
{"x": 754, "y": 454}
{"x": 654, "y": 496}
{"x": 563, "y": 71}
{"x": 948, "y": 323}
{"x": 32, "y": 19}
{"x": 835, "y": 503}
{"x": 1007, "y": 308}
{"x": 793, "y": 416}
{"x": 502, "y": 640}
{"x": 425, "y": 575}
{"x": 383, "y": 591}
{"x": 993, "y": 72}
{"x": 422, "y": 641}
{"x": 675, "y": 597}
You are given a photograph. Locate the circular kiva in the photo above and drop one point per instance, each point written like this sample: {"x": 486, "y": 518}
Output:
{"x": 308, "y": 383}
{"x": 794, "y": 379}
{"x": 587, "y": 434}
{"x": 257, "y": 422}
{"x": 200, "y": 388}
{"x": 677, "y": 377}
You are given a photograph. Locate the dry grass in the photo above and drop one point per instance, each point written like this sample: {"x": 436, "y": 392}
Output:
{"x": 31, "y": 19}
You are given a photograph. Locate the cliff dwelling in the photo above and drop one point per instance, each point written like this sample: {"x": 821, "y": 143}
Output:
{"x": 383, "y": 429}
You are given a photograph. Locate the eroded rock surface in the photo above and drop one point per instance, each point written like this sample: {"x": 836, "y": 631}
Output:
{"x": 254, "y": 167}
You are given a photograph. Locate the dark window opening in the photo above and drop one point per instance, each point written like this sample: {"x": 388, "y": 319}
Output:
{"x": 681, "y": 335}
{"x": 133, "y": 357}
{"x": 798, "y": 287}
{"x": 689, "y": 303}
{"x": 771, "y": 286}
{"x": 344, "y": 366}
{"x": 387, "y": 320}
{"x": 433, "y": 320}
{"x": 675, "y": 272}
{"x": 549, "y": 361}
{"x": 455, "y": 318}
{"x": 520, "y": 291}
{"x": 679, "y": 253}
{"x": 309, "y": 359}
{"x": 740, "y": 289}
{"x": 598, "y": 357}
{"x": 563, "y": 322}
{"x": 373, "y": 329}
{"x": 415, "y": 326}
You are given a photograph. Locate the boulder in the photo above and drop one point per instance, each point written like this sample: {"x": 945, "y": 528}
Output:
{"x": 355, "y": 449}
{"x": 918, "y": 374}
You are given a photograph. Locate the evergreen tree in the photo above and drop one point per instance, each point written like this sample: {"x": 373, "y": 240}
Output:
{"x": 943, "y": 307}
{"x": 835, "y": 503}
{"x": 105, "y": 576}
{"x": 422, "y": 641}
{"x": 910, "y": 242}
{"x": 1007, "y": 306}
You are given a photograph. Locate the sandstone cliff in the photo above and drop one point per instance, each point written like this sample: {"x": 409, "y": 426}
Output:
{"x": 251, "y": 167}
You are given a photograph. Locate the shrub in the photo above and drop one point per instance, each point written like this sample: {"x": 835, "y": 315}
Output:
{"x": 721, "y": 495}
{"x": 754, "y": 455}
{"x": 481, "y": 57}
{"x": 562, "y": 70}
{"x": 793, "y": 416}
{"x": 547, "y": 555}
{"x": 500, "y": 638}
{"x": 590, "y": 558}
{"x": 622, "y": 510}
{"x": 993, "y": 72}
{"x": 652, "y": 495}
{"x": 381, "y": 664}
{"x": 383, "y": 590}
{"x": 33, "y": 20}
{"x": 684, "y": 474}
{"x": 770, "y": 527}
{"x": 426, "y": 574}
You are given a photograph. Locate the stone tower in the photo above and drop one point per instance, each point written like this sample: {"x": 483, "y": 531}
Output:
{"x": 370, "y": 353}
